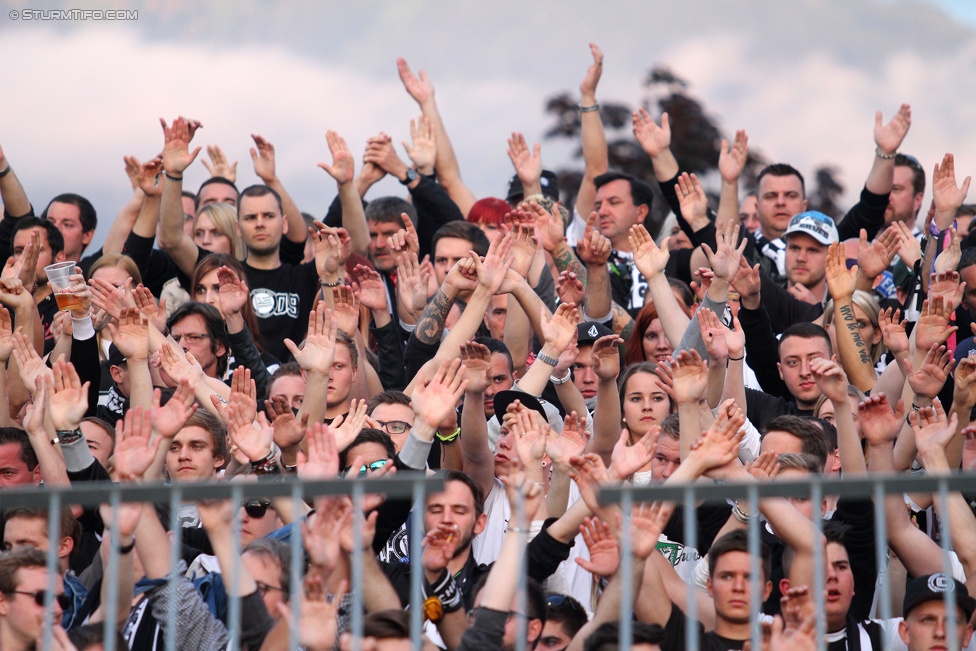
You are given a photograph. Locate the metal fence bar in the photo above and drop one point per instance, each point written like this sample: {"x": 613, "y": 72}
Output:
{"x": 626, "y": 573}
{"x": 110, "y": 575}
{"x": 755, "y": 569}
{"x": 691, "y": 540}
{"x": 52, "y": 565}
{"x": 175, "y": 504}
{"x": 357, "y": 566}
{"x": 416, "y": 536}
{"x": 881, "y": 551}
{"x": 819, "y": 580}
{"x": 946, "y": 540}
{"x": 297, "y": 563}
{"x": 234, "y": 616}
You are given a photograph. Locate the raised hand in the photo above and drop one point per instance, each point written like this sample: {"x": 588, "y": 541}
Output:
{"x": 132, "y": 166}
{"x": 411, "y": 284}
{"x": 627, "y": 459}
{"x": 67, "y": 397}
{"x": 647, "y": 522}
{"x": 288, "y": 432}
{"x": 948, "y": 196}
{"x": 477, "y": 366}
{"x": 606, "y": 357}
{"x": 380, "y": 152}
{"x": 932, "y": 327}
{"x": 243, "y": 394}
{"x": 253, "y": 439}
{"x": 176, "y": 149}
{"x": 604, "y": 552}
{"x": 318, "y": 353}
{"x": 719, "y": 445}
{"x": 830, "y": 378}
{"x": 6, "y": 335}
{"x": 893, "y": 332}
{"x": 563, "y": 446}
{"x": 879, "y": 423}
{"x": 168, "y": 420}
{"x": 348, "y": 426}
{"x": 135, "y": 448}
{"x": 432, "y": 403}
{"x": 343, "y": 167}
{"x": 318, "y": 617}
{"x": 874, "y": 257}
{"x": 30, "y": 365}
{"x": 946, "y": 285}
{"x": 691, "y": 197}
{"x": 561, "y": 328}
{"x": 928, "y": 380}
{"x": 590, "y": 474}
{"x": 218, "y": 165}
{"x": 406, "y": 238}
{"x": 233, "y": 293}
{"x": 131, "y": 337}
{"x": 421, "y": 88}
{"x": 724, "y": 261}
{"x": 146, "y": 303}
{"x": 463, "y": 275}
{"x": 592, "y": 78}
{"x": 179, "y": 367}
{"x": 531, "y": 432}
{"x": 909, "y": 249}
{"x": 551, "y": 230}
{"x": 569, "y": 289}
{"x": 932, "y": 429}
{"x": 521, "y": 490}
{"x": 689, "y": 374}
{"x": 370, "y": 288}
{"x": 345, "y": 310}
{"x": 527, "y": 164}
{"x": 110, "y": 298}
{"x": 491, "y": 270}
{"x": 146, "y": 177}
{"x": 764, "y": 467}
{"x": 653, "y": 139}
{"x": 888, "y": 137}
{"x": 747, "y": 282}
{"x": 524, "y": 248}
{"x": 423, "y": 148}
{"x": 263, "y": 157}
{"x": 328, "y": 251}
{"x": 322, "y": 459}
{"x": 949, "y": 259}
{"x": 732, "y": 160}
{"x": 649, "y": 259}
{"x": 713, "y": 335}
{"x": 964, "y": 391}
{"x": 593, "y": 248}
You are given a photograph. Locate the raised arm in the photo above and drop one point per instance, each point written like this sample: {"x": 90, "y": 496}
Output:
{"x": 15, "y": 202}
{"x": 594, "y": 250}
{"x": 263, "y": 156}
{"x": 316, "y": 358}
{"x": 342, "y": 170}
{"x": 476, "y": 458}
{"x": 593, "y": 139}
{"x": 731, "y": 162}
{"x": 853, "y": 350}
{"x": 887, "y": 138}
{"x": 176, "y": 158}
{"x": 832, "y": 381}
{"x": 421, "y": 89}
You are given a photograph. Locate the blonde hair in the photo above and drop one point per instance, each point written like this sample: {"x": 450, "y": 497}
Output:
{"x": 224, "y": 219}
{"x": 870, "y": 306}
{"x": 118, "y": 261}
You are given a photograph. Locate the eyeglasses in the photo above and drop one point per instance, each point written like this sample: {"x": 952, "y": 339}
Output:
{"x": 376, "y": 465}
{"x": 64, "y": 601}
{"x": 256, "y": 509}
{"x": 394, "y": 426}
{"x": 264, "y": 587}
{"x": 563, "y": 602}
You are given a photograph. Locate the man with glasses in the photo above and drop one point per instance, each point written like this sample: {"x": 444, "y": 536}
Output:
{"x": 198, "y": 328}
{"x": 23, "y": 586}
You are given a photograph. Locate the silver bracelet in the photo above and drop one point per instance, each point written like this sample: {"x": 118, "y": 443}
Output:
{"x": 588, "y": 109}
{"x": 881, "y": 154}
{"x": 561, "y": 380}
{"x": 739, "y": 514}
{"x": 545, "y": 359}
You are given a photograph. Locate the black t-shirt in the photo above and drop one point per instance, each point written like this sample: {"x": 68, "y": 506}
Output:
{"x": 282, "y": 299}
{"x": 674, "y": 636}
{"x": 47, "y": 308}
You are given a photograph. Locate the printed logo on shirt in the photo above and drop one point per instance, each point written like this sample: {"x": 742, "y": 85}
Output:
{"x": 677, "y": 553}
{"x": 268, "y": 303}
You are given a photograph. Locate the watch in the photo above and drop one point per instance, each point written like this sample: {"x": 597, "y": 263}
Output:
{"x": 411, "y": 177}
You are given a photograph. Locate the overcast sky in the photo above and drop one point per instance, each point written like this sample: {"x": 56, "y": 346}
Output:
{"x": 804, "y": 78}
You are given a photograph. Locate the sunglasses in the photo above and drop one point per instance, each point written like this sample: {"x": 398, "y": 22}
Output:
{"x": 256, "y": 509}
{"x": 560, "y": 601}
{"x": 63, "y": 600}
{"x": 376, "y": 465}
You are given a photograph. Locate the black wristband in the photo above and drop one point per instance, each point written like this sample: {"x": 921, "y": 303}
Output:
{"x": 5, "y": 172}
{"x": 67, "y": 437}
{"x": 128, "y": 548}
{"x": 267, "y": 465}
{"x": 173, "y": 178}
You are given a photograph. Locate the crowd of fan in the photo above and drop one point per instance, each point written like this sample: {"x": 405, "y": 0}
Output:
{"x": 528, "y": 355}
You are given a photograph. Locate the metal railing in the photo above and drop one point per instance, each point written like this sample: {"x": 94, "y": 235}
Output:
{"x": 871, "y": 486}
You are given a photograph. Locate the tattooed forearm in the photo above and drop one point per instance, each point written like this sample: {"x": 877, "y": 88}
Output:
{"x": 566, "y": 260}
{"x": 850, "y": 322}
{"x": 623, "y": 323}
{"x": 431, "y": 323}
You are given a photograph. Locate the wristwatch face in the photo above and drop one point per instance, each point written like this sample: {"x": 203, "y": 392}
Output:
{"x": 411, "y": 177}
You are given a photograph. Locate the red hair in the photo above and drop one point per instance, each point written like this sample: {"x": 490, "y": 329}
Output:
{"x": 635, "y": 346}
{"x": 489, "y": 211}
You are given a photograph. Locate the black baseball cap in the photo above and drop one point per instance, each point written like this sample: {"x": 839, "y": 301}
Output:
{"x": 115, "y": 358}
{"x": 550, "y": 189}
{"x": 934, "y": 586}
{"x": 504, "y": 398}
{"x": 589, "y": 331}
